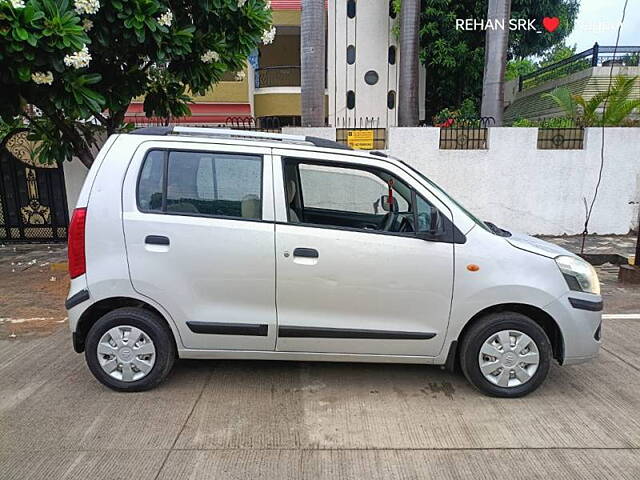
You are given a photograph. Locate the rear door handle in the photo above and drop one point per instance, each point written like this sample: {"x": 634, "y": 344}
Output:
{"x": 156, "y": 240}
{"x": 306, "y": 252}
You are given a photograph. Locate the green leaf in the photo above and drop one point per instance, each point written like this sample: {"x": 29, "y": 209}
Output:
{"x": 24, "y": 73}
{"x": 20, "y": 33}
{"x": 91, "y": 78}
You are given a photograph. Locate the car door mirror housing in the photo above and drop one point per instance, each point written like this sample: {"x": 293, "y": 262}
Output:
{"x": 388, "y": 204}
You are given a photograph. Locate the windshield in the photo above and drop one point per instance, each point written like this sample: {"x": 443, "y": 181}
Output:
{"x": 475, "y": 219}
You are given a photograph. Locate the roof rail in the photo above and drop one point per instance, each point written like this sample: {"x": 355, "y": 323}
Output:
{"x": 228, "y": 132}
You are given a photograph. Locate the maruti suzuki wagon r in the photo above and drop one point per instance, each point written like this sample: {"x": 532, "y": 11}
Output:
{"x": 210, "y": 243}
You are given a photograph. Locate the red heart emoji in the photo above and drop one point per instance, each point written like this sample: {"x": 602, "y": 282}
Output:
{"x": 550, "y": 23}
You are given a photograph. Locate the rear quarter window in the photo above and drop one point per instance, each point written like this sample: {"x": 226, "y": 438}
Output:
{"x": 202, "y": 184}
{"x": 151, "y": 182}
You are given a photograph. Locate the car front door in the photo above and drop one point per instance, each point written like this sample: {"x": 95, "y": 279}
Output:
{"x": 198, "y": 224}
{"x": 343, "y": 284}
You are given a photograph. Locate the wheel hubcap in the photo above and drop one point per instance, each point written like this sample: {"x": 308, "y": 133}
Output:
{"x": 126, "y": 353}
{"x": 509, "y": 358}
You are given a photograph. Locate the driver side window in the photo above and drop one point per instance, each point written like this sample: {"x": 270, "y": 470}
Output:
{"x": 344, "y": 189}
{"x": 354, "y": 197}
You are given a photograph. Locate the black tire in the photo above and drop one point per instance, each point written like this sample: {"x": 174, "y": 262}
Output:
{"x": 489, "y": 325}
{"x": 150, "y": 324}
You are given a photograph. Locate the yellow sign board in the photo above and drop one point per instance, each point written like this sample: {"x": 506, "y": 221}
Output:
{"x": 360, "y": 139}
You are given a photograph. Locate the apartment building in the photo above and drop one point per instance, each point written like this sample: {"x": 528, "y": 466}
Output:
{"x": 361, "y": 81}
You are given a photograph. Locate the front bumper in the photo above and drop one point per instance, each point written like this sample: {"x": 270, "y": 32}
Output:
{"x": 579, "y": 316}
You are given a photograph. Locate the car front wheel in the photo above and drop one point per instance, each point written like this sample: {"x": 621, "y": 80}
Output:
{"x": 506, "y": 354}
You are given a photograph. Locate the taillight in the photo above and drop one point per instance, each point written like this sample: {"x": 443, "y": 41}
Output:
{"x": 75, "y": 245}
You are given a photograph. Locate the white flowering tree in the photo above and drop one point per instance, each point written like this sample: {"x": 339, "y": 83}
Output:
{"x": 81, "y": 62}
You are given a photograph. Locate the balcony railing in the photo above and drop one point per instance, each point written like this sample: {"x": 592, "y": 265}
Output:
{"x": 594, "y": 57}
{"x": 284, "y": 76}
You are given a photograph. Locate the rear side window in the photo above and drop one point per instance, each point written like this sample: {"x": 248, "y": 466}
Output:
{"x": 202, "y": 184}
{"x": 150, "y": 183}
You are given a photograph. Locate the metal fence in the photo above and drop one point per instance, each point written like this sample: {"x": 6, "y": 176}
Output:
{"x": 560, "y": 138}
{"x": 596, "y": 56}
{"x": 262, "y": 124}
{"x": 466, "y": 135}
{"x": 283, "y": 76}
{"x": 361, "y": 133}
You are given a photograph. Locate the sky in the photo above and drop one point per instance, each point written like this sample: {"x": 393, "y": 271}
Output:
{"x": 598, "y": 22}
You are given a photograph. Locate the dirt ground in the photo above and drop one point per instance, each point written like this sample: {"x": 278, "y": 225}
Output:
{"x": 33, "y": 286}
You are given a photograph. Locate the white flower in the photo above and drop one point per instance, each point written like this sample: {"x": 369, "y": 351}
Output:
{"x": 17, "y": 3}
{"x": 166, "y": 18}
{"x": 79, "y": 59}
{"x": 87, "y": 24}
{"x": 42, "y": 78}
{"x": 268, "y": 35}
{"x": 240, "y": 76}
{"x": 241, "y": 3}
{"x": 88, "y": 7}
{"x": 267, "y": 6}
{"x": 210, "y": 55}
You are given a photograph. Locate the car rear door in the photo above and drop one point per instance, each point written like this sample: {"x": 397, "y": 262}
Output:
{"x": 199, "y": 232}
{"x": 355, "y": 290}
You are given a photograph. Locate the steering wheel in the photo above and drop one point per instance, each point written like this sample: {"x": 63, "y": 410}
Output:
{"x": 389, "y": 222}
{"x": 397, "y": 222}
{"x": 406, "y": 224}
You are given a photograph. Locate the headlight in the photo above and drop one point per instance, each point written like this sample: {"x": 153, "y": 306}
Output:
{"x": 580, "y": 275}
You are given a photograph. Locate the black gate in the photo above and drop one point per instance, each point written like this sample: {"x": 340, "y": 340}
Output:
{"x": 33, "y": 201}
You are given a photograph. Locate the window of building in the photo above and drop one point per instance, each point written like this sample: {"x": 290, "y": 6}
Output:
{"x": 351, "y": 99}
{"x": 392, "y": 10}
{"x": 392, "y": 55}
{"x": 351, "y": 54}
{"x": 391, "y": 100}
{"x": 371, "y": 77}
{"x": 351, "y": 8}
{"x": 202, "y": 183}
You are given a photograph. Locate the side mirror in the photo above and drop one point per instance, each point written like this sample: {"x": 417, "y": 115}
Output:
{"x": 388, "y": 206}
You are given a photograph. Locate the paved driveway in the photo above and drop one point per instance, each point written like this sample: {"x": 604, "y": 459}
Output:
{"x": 247, "y": 419}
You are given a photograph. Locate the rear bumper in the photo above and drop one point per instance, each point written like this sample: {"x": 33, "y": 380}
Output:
{"x": 579, "y": 317}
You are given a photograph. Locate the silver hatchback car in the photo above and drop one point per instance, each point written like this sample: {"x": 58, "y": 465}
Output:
{"x": 208, "y": 243}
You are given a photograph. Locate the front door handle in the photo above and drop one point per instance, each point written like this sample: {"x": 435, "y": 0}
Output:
{"x": 306, "y": 253}
{"x": 156, "y": 240}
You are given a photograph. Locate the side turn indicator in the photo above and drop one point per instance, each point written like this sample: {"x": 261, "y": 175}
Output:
{"x": 472, "y": 267}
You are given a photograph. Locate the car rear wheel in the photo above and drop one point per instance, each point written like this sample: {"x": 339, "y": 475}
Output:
{"x": 130, "y": 349}
{"x": 505, "y": 354}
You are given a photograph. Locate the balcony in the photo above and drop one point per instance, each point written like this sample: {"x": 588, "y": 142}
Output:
{"x": 282, "y": 76}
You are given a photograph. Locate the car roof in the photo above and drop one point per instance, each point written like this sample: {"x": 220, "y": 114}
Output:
{"x": 253, "y": 138}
